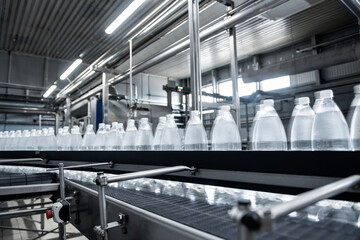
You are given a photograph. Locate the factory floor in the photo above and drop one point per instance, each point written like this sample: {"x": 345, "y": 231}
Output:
{"x": 15, "y": 228}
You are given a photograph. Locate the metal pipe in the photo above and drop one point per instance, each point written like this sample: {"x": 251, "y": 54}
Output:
{"x": 20, "y": 160}
{"x": 102, "y": 205}
{"x": 21, "y": 213}
{"x": 246, "y": 14}
{"x": 130, "y": 72}
{"x": 148, "y": 173}
{"x": 305, "y": 199}
{"x": 62, "y": 226}
{"x": 68, "y": 112}
{"x": 81, "y": 166}
{"x": 105, "y": 97}
{"x": 195, "y": 66}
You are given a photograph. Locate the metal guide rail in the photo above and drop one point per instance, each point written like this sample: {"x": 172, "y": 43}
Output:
{"x": 287, "y": 172}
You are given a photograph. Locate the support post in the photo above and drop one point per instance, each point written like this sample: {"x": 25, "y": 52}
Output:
{"x": 130, "y": 73}
{"x": 101, "y": 183}
{"x": 195, "y": 69}
{"x": 234, "y": 74}
{"x": 57, "y": 123}
{"x": 92, "y": 112}
{"x": 62, "y": 226}
{"x": 105, "y": 97}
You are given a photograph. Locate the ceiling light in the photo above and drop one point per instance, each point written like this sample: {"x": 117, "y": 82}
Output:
{"x": 124, "y": 15}
{"x": 72, "y": 67}
{"x": 49, "y": 91}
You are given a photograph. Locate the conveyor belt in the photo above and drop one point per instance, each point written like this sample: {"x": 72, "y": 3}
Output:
{"x": 214, "y": 219}
{"x": 14, "y": 179}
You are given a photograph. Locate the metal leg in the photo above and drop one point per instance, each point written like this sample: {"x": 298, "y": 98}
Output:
{"x": 42, "y": 217}
{"x": 102, "y": 204}
{"x": 62, "y": 226}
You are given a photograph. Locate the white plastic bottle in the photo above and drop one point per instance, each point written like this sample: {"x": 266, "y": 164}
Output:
{"x": 317, "y": 100}
{"x": 330, "y": 130}
{"x": 130, "y": 135}
{"x": 122, "y": 136}
{"x": 144, "y": 138}
{"x": 225, "y": 134}
{"x": 10, "y": 140}
{"x": 354, "y": 118}
{"x": 65, "y": 139}
{"x": 170, "y": 138}
{"x": 269, "y": 133}
{"x": 32, "y": 142}
{"x": 75, "y": 139}
{"x": 59, "y": 138}
{"x": 4, "y": 140}
{"x": 89, "y": 138}
{"x": 25, "y": 138}
{"x": 158, "y": 133}
{"x": 51, "y": 140}
{"x": 100, "y": 139}
{"x": 16, "y": 140}
{"x": 256, "y": 117}
{"x": 113, "y": 140}
{"x": 42, "y": 143}
{"x": 302, "y": 120}
{"x": 195, "y": 134}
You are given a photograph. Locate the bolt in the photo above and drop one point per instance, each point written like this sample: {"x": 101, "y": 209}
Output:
{"x": 124, "y": 230}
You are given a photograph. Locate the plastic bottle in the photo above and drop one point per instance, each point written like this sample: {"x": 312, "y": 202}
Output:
{"x": 58, "y": 138}
{"x": 89, "y": 138}
{"x": 100, "y": 139}
{"x": 170, "y": 138}
{"x": 144, "y": 138}
{"x": 225, "y": 134}
{"x": 354, "y": 115}
{"x": 256, "y": 117}
{"x": 122, "y": 135}
{"x": 269, "y": 133}
{"x": 42, "y": 143}
{"x": 158, "y": 133}
{"x": 16, "y": 140}
{"x": 317, "y": 100}
{"x": 51, "y": 140}
{"x": 107, "y": 127}
{"x": 9, "y": 142}
{"x": 301, "y": 122}
{"x": 330, "y": 130}
{"x": 113, "y": 141}
{"x": 5, "y": 138}
{"x": 32, "y": 143}
{"x": 130, "y": 135}
{"x": 65, "y": 139}
{"x": 75, "y": 139}
{"x": 195, "y": 134}
{"x": 1, "y": 140}
{"x": 24, "y": 140}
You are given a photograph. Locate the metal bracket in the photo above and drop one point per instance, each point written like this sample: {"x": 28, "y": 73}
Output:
{"x": 105, "y": 70}
{"x": 101, "y": 232}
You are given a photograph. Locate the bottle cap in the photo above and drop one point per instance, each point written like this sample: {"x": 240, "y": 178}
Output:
{"x": 194, "y": 113}
{"x": 224, "y": 108}
{"x": 268, "y": 102}
{"x": 90, "y": 127}
{"x": 114, "y": 124}
{"x": 302, "y": 101}
{"x": 107, "y": 126}
{"x": 162, "y": 119}
{"x": 101, "y": 125}
{"x": 120, "y": 125}
{"x": 131, "y": 122}
{"x": 169, "y": 116}
{"x": 144, "y": 120}
{"x": 357, "y": 89}
{"x": 326, "y": 94}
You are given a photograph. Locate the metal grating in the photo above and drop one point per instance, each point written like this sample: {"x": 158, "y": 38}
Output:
{"x": 214, "y": 220}
{"x": 15, "y": 179}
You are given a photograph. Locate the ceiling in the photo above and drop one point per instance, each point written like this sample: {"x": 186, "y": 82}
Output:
{"x": 259, "y": 35}
{"x": 62, "y": 29}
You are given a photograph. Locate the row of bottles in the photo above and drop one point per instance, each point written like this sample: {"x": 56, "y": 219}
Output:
{"x": 322, "y": 127}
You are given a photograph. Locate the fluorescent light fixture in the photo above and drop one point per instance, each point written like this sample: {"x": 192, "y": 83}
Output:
{"x": 208, "y": 111}
{"x": 275, "y": 83}
{"x": 124, "y": 15}
{"x": 70, "y": 69}
{"x": 49, "y": 91}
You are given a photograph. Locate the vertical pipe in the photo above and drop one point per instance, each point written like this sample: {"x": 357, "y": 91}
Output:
{"x": 102, "y": 205}
{"x": 42, "y": 217}
{"x": 235, "y": 75}
{"x": 68, "y": 112}
{"x": 57, "y": 123}
{"x": 40, "y": 120}
{"x": 130, "y": 72}
{"x": 8, "y": 80}
{"x": 195, "y": 69}
{"x": 62, "y": 226}
{"x": 105, "y": 98}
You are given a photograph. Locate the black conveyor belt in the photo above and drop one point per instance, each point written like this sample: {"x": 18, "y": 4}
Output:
{"x": 15, "y": 179}
{"x": 213, "y": 219}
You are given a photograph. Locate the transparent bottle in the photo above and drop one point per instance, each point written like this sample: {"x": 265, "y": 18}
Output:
{"x": 144, "y": 138}
{"x": 5, "y": 139}
{"x": 2, "y": 139}
{"x": 107, "y": 127}
{"x": 256, "y": 117}
{"x": 58, "y": 138}
{"x": 113, "y": 141}
{"x": 330, "y": 130}
{"x": 269, "y": 133}
{"x": 100, "y": 139}
{"x": 225, "y": 134}
{"x": 10, "y": 140}
{"x": 170, "y": 138}
{"x": 25, "y": 136}
{"x": 51, "y": 140}
{"x": 42, "y": 143}
{"x": 195, "y": 134}
{"x": 301, "y": 122}
{"x": 75, "y": 139}
{"x": 122, "y": 135}
{"x": 65, "y": 139}
{"x": 32, "y": 142}
{"x": 317, "y": 100}
{"x": 354, "y": 119}
{"x": 16, "y": 141}
{"x": 130, "y": 135}
{"x": 89, "y": 138}
{"x": 158, "y": 133}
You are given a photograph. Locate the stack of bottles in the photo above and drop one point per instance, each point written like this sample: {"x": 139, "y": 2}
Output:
{"x": 320, "y": 128}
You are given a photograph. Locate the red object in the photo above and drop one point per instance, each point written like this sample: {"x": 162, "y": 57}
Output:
{"x": 49, "y": 214}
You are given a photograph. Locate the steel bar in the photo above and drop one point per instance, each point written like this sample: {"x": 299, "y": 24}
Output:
{"x": 239, "y": 17}
{"x": 148, "y": 173}
{"x": 68, "y": 112}
{"x": 105, "y": 97}
{"x": 81, "y": 166}
{"x": 25, "y": 206}
{"x": 195, "y": 66}
{"x": 313, "y": 196}
{"x": 26, "y": 229}
{"x": 21, "y": 213}
{"x": 62, "y": 226}
{"x": 130, "y": 72}
{"x": 20, "y": 160}
{"x": 23, "y": 189}
{"x": 102, "y": 206}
